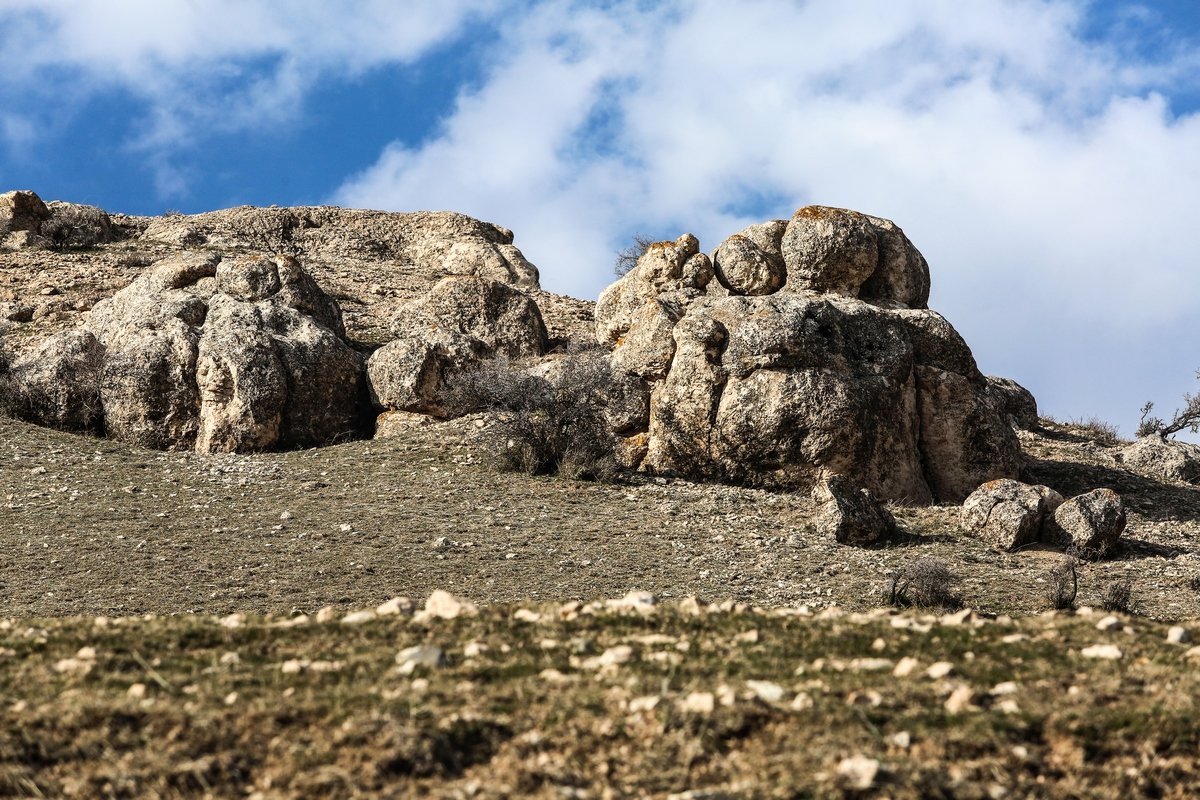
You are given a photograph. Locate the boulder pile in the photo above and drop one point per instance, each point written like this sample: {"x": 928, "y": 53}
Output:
{"x": 800, "y": 350}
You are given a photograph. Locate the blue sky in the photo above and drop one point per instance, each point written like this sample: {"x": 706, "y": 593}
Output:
{"x": 1043, "y": 154}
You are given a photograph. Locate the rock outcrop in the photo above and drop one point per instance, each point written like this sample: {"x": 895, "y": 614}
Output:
{"x": 461, "y": 322}
{"x": 804, "y": 350}
{"x": 1164, "y": 458}
{"x": 853, "y": 516}
{"x": 21, "y": 217}
{"x": 1091, "y": 524}
{"x": 207, "y": 353}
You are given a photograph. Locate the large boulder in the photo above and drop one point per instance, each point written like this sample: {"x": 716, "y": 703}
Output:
{"x": 1164, "y": 458}
{"x": 21, "y": 216}
{"x": 851, "y": 515}
{"x": 58, "y": 383}
{"x": 1015, "y": 400}
{"x": 222, "y": 355}
{"x": 460, "y": 323}
{"x": 783, "y": 371}
{"x": 77, "y": 225}
{"x": 1090, "y": 523}
{"x": 1008, "y": 514}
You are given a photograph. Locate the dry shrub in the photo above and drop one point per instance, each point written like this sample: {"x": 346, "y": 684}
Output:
{"x": 627, "y": 259}
{"x": 1063, "y": 584}
{"x": 1117, "y": 596}
{"x": 545, "y": 423}
{"x": 1099, "y": 431}
{"x": 924, "y": 583}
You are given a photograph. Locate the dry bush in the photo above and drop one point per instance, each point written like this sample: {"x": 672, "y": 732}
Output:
{"x": 1063, "y": 584}
{"x": 550, "y": 423}
{"x": 73, "y": 406}
{"x": 1186, "y": 418}
{"x": 73, "y": 225}
{"x": 627, "y": 259}
{"x": 1117, "y": 596}
{"x": 1099, "y": 431}
{"x": 924, "y": 583}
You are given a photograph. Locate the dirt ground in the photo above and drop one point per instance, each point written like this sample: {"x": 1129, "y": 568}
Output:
{"x": 90, "y": 526}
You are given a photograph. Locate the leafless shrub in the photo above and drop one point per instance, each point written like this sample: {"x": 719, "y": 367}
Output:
{"x": 627, "y": 259}
{"x": 1117, "y": 596}
{"x": 550, "y": 423}
{"x": 1186, "y": 418}
{"x": 1063, "y": 584}
{"x": 1099, "y": 431}
{"x": 73, "y": 225}
{"x": 924, "y": 583}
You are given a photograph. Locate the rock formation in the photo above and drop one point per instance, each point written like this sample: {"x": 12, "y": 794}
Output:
{"x": 804, "y": 349}
{"x": 207, "y": 353}
{"x": 461, "y": 322}
{"x": 1008, "y": 514}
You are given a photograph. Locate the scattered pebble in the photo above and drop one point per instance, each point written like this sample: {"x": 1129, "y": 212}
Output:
{"x": 1109, "y": 623}
{"x": 397, "y": 606}
{"x": 905, "y": 667}
{"x": 359, "y": 617}
{"x": 613, "y": 656}
{"x": 859, "y": 772}
{"x": 939, "y": 670}
{"x": 443, "y": 605}
{"x": 410, "y": 658}
{"x": 1107, "y": 651}
{"x": 766, "y": 691}
{"x": 961, "y": 700}
{"x": 1178, "y": 634}
{"x": 698, "y": 703}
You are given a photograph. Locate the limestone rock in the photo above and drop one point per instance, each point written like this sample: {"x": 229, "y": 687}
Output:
{"x": 22, "y": 211}
{"x": 1092, "y": 523}
{"x": 1164, "y": 458}
{"x": 853, "y": 516}
{"x": 1015, "y": 401}
{"x": 452, "y": 329}
{"x": 777, "y": 373}
{"x": 77, "y": 225}
{"x": 845, "y": 252}
{"x": 58, "y": 384}
{"x": 751, "y": 262}
{"x": 225, "y": 355}
{"x": 1008, "y": 514}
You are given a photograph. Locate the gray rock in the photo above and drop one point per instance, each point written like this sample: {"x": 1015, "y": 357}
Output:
{"x": 223, "y": 355}
{"x": 22, "y": 211}
{"x": 458, "y": 324}
{"x": 852, "y": 515}
{"x": 1015, "y": 401}
{"x": 830, "y": 250}
{"x": 751, "y": 262}
{"x": 58, "y": 384}
{"x": 902, "y": 274}
{"x": 1091, "y": 523}
{"x": 1164, "y": 458}
{"x": 1008, "y": 514}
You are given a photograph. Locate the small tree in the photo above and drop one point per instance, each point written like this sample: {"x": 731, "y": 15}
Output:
{"x": 627, "y": 259}
{"x": 1187, "y": 418}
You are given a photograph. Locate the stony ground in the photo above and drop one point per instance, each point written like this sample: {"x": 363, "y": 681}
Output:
{"x": 91, "y": 526}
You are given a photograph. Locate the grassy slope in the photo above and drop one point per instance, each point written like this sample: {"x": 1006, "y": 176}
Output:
{"x": 492, "y": 723}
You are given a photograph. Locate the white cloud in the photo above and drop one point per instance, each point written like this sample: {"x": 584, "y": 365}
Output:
{"x": 218, "y": 66}
{"x": 1042, "y": 175}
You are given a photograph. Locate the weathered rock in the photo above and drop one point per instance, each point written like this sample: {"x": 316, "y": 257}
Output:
{"x": 751, "y": 262}
{"x": 458, "y": 324}
{"x": 1164, "y": 458}
{"x": 845, "y": 252}
{"x": 1008, "y": 514}
{"x": 1015, "y": 401}
{"x": 1091, "y": 523}
{"x": 58, "y": 384}
{"x": 225, "y": 355}
{"x": 852, "y": 515}
{"x": 77, "y": 225}
{"x": 21, "y": 211}
{"x": 784, "y": 385}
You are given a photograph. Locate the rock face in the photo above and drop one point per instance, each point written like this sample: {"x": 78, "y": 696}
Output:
{"x": 1008, "y": 514}
{"x": 21, "y": 217}
{"x": 458, "y": 324}
{"x": 1016, "y": 401}
{"x": 1092, "y": 523}
{"x": 58, "y": 384}
{"x": 853, "y": 516}
{"x": 810, "y": 354}
{"x": 1164, "y": 458}
{"x": 206, "y": 353}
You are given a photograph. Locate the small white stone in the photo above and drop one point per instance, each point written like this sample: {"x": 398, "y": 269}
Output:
{"x": 410, "y": 658}
{"x": 961, "y": 700}
{"x": 1178, "y": 634}
{"x": 802, "y": 702}
{"x": 871, "y": 664}
{"x": 905, "y": 667}
{"x": 1007, "y": 687}
{"x": 901, "y": 739}
{"x": 1106, "y": 651}
{"x": 613, "y": 656}
{"x": 294, "y": 665}
{"x": 359, "y": 617}
{"x": 232, "y": 621}
{"x": 136, "y": 691}
{"x": 698, "y": 703}
{"x": 345, "y": 527}
{"x": 1109, "y": 623}
{"x": 326, "y": 614}
{"x": 526, "y": 615}
{"x": 859, "y": 772}
{"x": 766, "y": 691}
{"x": 442, "y": 605}
{"x": 642, "y": 704}
{"x": 230, "y": 659}
{"x": 397, "y": 606}
{"x": 939, "y": 670}
{"x": 285, "y": 516}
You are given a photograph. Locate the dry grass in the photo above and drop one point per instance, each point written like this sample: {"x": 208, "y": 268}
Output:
{"x": 185, "y": 707}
